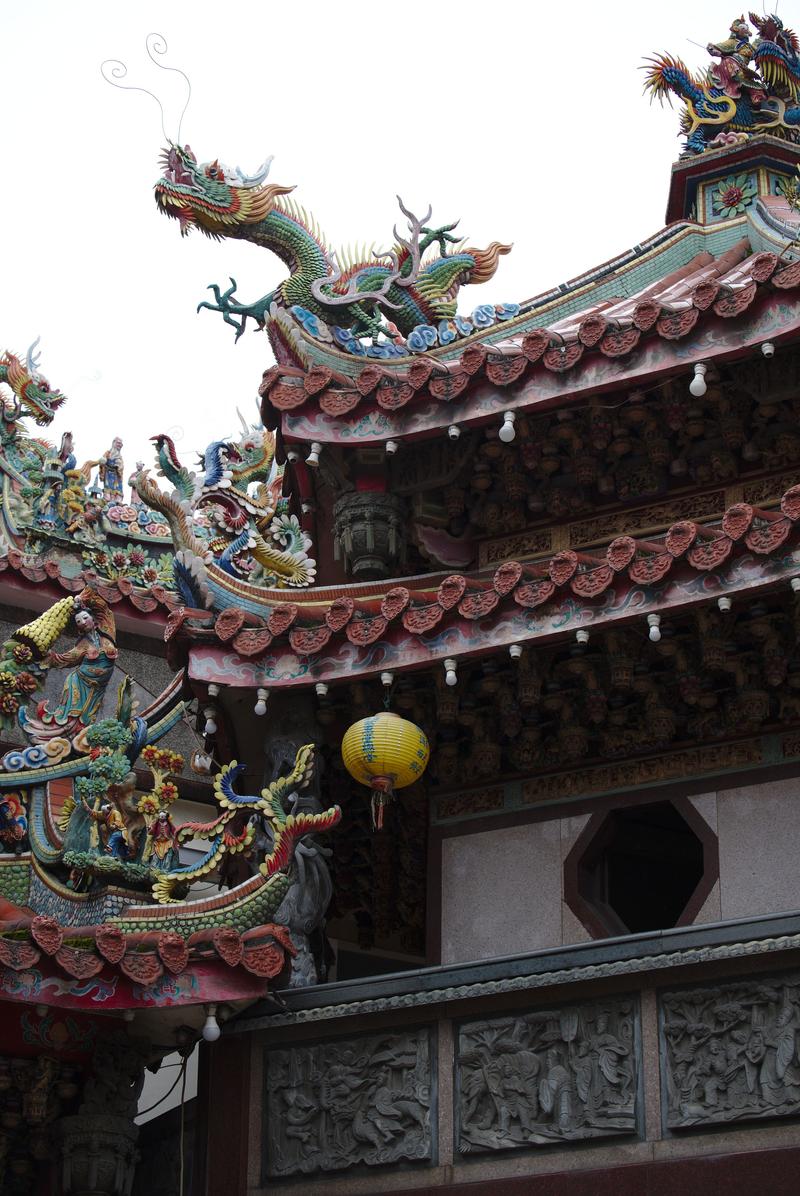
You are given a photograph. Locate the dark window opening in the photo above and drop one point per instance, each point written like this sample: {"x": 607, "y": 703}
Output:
{"x": 642, "y": 868}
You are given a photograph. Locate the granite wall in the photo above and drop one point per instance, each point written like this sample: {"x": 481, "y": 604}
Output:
{"x": 503, "y": 890}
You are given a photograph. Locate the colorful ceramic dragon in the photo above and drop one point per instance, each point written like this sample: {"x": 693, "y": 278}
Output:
{"x": 33, "y": 394}
{"x": 286, "y": 829}
{"x": 245, "y": 532}
{"x": 751, "y": 87}
{"x": 390, "y": 293}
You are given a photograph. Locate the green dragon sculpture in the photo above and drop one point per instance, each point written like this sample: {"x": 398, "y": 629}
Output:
{"x": 33, "y": 395}
{"x": 387, "y": 293}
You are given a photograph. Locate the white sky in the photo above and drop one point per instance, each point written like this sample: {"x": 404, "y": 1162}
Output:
{"x": 527, "y": 121}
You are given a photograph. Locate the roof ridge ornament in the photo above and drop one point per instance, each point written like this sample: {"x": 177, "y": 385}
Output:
{"x": 751, "y": 86}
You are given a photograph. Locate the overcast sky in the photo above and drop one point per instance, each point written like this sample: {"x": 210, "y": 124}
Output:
{"x": 526, "y": 121}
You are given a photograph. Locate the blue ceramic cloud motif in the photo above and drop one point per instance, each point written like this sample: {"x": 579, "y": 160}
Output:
{"x": 506, "y": 311}
{"x": 423, "y": 337}
{"x": 312, "y": 325}
{"x": 483, "y": 316}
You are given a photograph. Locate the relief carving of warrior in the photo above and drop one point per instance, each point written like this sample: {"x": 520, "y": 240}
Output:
{"x": 732, "y": 1052}
{"x": 341, "y": 1103}
{"x": 549, "y": 1075}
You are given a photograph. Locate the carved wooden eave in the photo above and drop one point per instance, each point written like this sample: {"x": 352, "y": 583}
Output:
{"x": 693, "y": 314}
{"x": 360, "y": 630}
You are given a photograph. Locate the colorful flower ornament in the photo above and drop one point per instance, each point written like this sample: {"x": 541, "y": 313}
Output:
{"x": 733, "y": 195}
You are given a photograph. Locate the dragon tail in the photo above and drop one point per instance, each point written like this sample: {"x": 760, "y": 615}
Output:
{"x": 667, "y": 75}
{"x": 486, "y": 261}
{"x": 288, "y": 835}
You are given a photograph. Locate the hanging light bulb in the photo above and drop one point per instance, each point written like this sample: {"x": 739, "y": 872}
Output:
{"x": 507, "y": 432}
{"x": 313, "y": 457}
{"x": 261, "y": 705}
{"x": 450, "y": 675}
{"x": 211, "y": 1030}
{"x": 697, "y": 386}
{"x": 654, "y": 623}
{"x": 211, "y": 725}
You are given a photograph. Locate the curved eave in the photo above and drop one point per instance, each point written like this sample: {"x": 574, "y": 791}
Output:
{"x": 711, "y": 317}
{"x": 360, "y": 631}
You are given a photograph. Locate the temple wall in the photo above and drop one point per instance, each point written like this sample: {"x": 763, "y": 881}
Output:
{"x": 503, "y": 891}
{"x": 629, "y": 1115}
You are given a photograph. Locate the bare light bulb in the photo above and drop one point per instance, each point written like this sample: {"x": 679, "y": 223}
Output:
{"x": 261, "y": 705}
{"x": 697, "y": 386}
{"x": 211, "y": 725}
{"x": 654, "y": 623}
{"x": 450, "y": 675}
{"x": 507, "y": 432}
{"x": 211, "y": 1030}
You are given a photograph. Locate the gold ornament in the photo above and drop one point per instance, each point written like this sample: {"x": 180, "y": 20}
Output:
{"x": 42, "y": 633}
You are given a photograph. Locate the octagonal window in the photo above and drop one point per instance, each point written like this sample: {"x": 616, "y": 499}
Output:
{"x": 641, "y": 868}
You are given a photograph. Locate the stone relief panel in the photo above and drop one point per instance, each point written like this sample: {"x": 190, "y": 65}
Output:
{"x": 548, "y": 1076}
{"x": 354, "y": 1101}
{"x": 732, "y": 1051}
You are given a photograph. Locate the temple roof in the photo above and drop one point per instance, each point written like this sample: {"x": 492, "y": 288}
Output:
{"x": 680, "y": 316}
{"x": 316, "y": 635}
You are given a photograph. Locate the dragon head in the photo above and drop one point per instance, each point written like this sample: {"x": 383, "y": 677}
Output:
{"x": 33, "y": 394}
{"x": 211, "y": 196}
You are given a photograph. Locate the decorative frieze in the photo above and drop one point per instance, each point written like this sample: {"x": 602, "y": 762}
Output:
{"x": 731, "y": 1051}
{"x": 347, "y": 1102}
{"x": 553, "y": 1075}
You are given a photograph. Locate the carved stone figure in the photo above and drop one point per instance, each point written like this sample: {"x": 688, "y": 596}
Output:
{"x": 548, "y": 1075}
{"x": 731, "y": 1051}
{"x": 337, "y": 1104}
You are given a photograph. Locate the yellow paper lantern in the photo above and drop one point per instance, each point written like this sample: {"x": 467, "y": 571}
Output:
{"x": 385, "y": 752}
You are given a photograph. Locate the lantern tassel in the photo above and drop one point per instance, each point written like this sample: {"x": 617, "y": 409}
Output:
{"x": 382, "y": 794}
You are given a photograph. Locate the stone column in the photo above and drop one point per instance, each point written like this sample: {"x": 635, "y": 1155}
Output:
{"x": 370, "y": 531}
{"x": 98, "y": 1143}
{"x": 98, "y": 1154}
